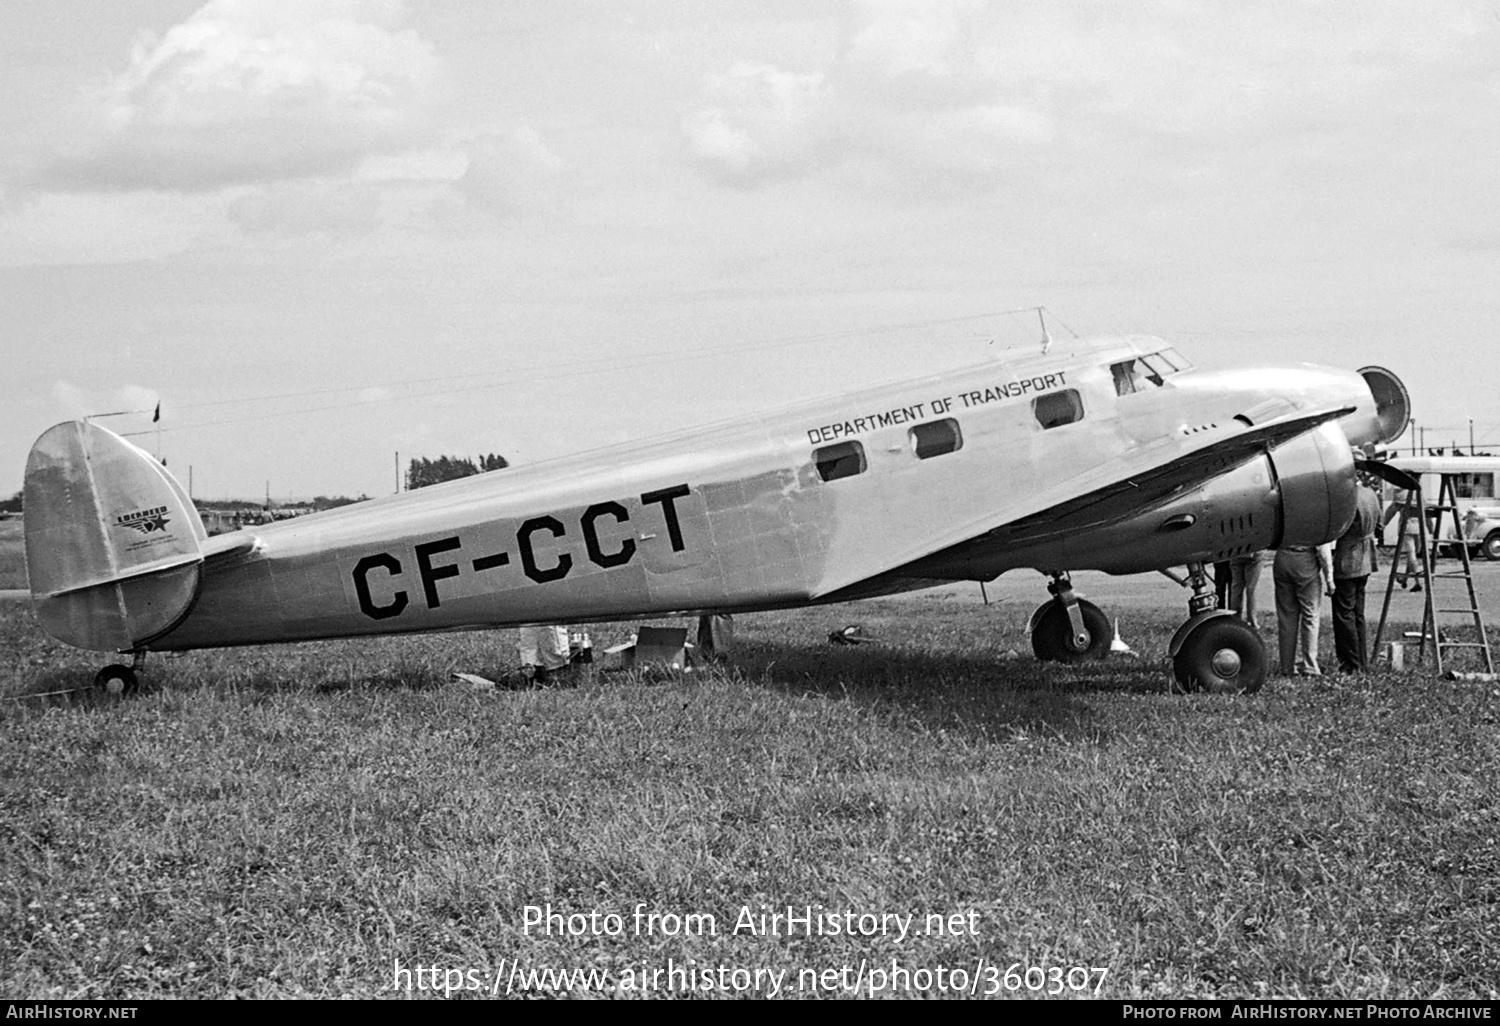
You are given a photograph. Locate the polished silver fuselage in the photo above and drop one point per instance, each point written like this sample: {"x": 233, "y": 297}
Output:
{"x": 739, "y": 516}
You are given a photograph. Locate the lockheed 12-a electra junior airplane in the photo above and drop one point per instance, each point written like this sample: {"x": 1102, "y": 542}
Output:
{"x": 1112, "y": 455}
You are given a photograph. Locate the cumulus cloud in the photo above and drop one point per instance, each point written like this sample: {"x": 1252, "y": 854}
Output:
{"x": 934, "y": 90}
{"x": 248, "y": 91}
{"x": 761, "y": 120}
{"x": 511, "y": 173}
{"x": 907, "y": 90}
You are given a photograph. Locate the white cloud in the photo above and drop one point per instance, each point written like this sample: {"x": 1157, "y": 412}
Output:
{"x": 907, "y": 92}
{"x": 939, "y": 89}
{"x": 910, "y": 35}
{"x": 258, "y": 90}
{"x": 761, "y": 120}
{"x": 512, "y": 173}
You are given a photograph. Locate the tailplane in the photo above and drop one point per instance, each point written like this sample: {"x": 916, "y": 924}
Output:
{"x": 113, "y": 543}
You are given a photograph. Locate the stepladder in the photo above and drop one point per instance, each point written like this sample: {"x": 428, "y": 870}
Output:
{"x": 1452, "y": 622}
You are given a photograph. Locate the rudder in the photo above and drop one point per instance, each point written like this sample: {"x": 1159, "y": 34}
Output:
{"x": 113, "y": 543}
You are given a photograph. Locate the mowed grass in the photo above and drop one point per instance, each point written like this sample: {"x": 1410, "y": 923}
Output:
{"x": 296, "y": 821}
{"x": 12, "y": 553}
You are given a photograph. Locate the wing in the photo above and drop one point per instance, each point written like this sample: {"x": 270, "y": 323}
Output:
{"x": 1135, "y": 492}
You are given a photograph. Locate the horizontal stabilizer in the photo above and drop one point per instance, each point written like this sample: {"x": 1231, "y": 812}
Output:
{"x": 113, "y": 543}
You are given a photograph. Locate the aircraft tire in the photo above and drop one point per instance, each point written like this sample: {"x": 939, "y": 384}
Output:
{"x": 1491, "y": 546}
{"x": 117, "y": 679}
{"x": 1224, "y": 655}
{"x": 1049, "y": 641}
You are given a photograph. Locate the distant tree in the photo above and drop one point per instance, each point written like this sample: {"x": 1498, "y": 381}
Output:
{"x": 13, "y": 504}
{"x": 334, "y": 501}
{"x": 421, "y": 472}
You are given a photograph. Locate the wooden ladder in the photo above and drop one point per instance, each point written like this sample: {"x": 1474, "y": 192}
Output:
{"x": 1427, "y": 549}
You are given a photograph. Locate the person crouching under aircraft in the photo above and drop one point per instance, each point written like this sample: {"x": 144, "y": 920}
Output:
{"x": 1300, "y": 572}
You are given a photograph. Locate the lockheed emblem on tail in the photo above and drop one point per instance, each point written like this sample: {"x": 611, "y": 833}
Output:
{"x": 1109, "y": 454}
{"x": 145, "y": 520}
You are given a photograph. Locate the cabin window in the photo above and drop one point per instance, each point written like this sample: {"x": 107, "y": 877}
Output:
{"x": 842, "y": 460}
{"x": 1474, "y": 486}
{"x": 1058, "y": 408}
{"x": 936, "y": 438}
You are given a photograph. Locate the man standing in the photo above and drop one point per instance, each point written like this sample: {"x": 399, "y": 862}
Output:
{"x": 1300, "y": 573}
{"x": 1244, "y": 578}
{"x": 1353, "y": 563}
{"x": 1410, "y": 570}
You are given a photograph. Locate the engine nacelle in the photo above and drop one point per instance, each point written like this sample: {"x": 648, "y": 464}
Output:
{"x": 1302, "y": 493}
{"x": 1315, "y": 474}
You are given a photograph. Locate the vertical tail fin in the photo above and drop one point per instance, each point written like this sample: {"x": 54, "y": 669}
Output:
{"x": 113, "y": 542}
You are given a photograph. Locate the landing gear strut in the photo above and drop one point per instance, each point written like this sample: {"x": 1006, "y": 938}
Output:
{"x": 1215, "y": 650}
{"x": 1068, "y": 629}
{"x": 119, "y": 679}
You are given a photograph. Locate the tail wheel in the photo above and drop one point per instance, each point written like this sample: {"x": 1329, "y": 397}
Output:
{"x": 1052, "y": 639}
{"x": 117, "y": 679}
{"x": 1223, "y": 655}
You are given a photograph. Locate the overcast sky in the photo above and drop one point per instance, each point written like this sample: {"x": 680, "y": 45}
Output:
{"x": 322, "y": 232}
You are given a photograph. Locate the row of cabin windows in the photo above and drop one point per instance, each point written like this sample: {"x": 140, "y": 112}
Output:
{"x": 940, "y": 437}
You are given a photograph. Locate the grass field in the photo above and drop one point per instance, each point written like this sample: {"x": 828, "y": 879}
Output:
{"x": 12, "y": 554}
{"x": 308, "y": 820}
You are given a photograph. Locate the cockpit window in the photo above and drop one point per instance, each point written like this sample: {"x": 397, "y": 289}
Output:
{"x": 1157, "y": 368}
{"x": 1128, "y": 377}
{"x": 1175, "y": 359}
{"x": 1148, "y": 371}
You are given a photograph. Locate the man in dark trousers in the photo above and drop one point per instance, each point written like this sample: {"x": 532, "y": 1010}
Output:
{"x": 1353, "y": 563}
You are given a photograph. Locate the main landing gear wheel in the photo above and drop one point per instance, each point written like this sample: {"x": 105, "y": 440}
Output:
{"x": 1223, "y": 655}
{"x": 1052, "y": 640}
{"x": 116, "y": 679}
